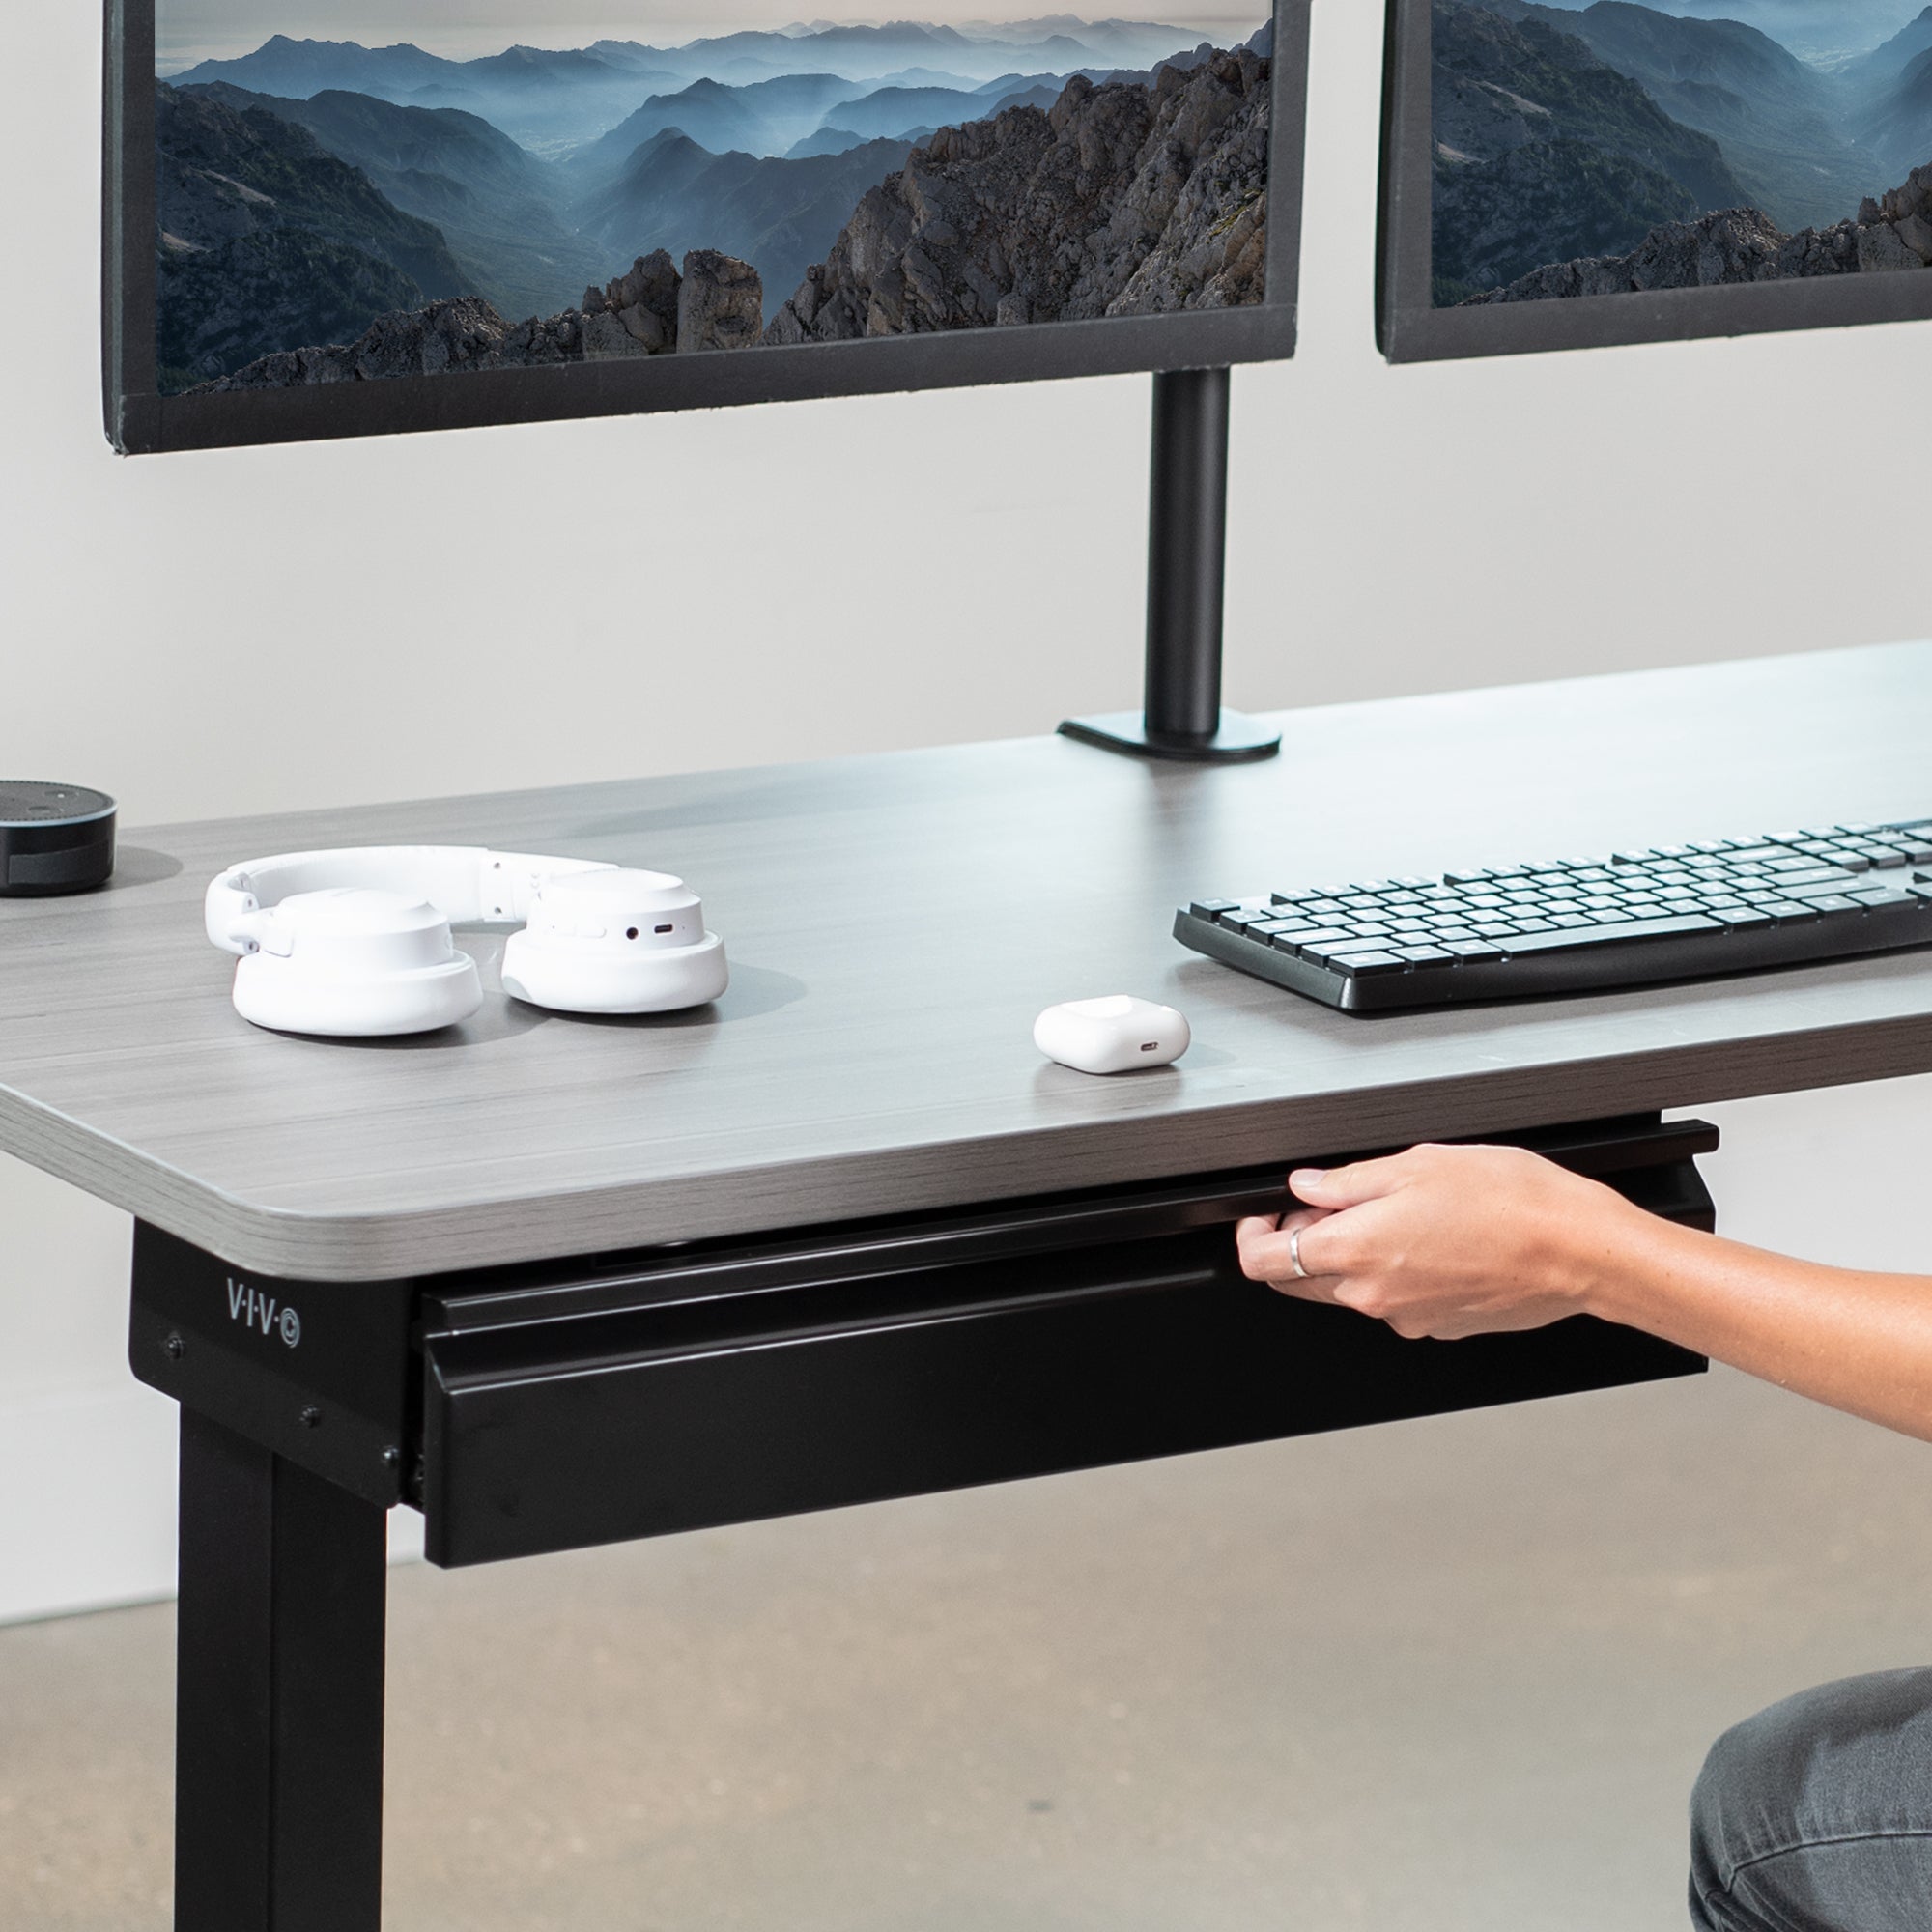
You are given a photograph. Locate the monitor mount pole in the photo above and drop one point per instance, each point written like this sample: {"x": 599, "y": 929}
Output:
{"x": 1188, "y": 558}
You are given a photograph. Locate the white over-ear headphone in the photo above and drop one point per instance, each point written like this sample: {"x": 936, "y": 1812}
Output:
{"x": 357, "y": 943}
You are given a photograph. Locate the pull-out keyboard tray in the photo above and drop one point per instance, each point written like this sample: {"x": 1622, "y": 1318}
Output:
{"x": 552, "y": 1408}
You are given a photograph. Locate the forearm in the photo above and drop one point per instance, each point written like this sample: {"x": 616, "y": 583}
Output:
{"x": 1857, "y": 1342}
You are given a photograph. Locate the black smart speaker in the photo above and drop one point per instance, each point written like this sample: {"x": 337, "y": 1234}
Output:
{"x": 53, "y": 839}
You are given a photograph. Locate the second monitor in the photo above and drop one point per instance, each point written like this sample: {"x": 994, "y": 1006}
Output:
{"x": 1566, "y": 176}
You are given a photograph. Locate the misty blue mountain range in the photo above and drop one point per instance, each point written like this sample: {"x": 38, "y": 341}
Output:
{"x": 543, "y": 171}
{"x": 1584, "y": 149}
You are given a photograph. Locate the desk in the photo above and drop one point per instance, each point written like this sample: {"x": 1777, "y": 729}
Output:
{"x": 845, "y": 1235}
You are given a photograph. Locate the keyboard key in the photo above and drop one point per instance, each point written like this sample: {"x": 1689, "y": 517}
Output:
{"x": 1266, "y": 928}
{"x": 1424, "y": 955}
{"x": 1485, "y": 949}
{"x": 1501, "y": 929}
{"x": 1456, "y": 935}
{"x": 1312, "y": 936}
{"x": 1833, "y": 903}
{"x": 1877, "y": 896}
{"x": 1741, "y": 916}
{"x": 1212, "y": 908}
{"x": 1787, "y": 912}
{"x": 1362, "y": 964}
{"x": 1238, "y": 919}
{"x": 1611, "y": 935}
{"x": 1881, "y": 854}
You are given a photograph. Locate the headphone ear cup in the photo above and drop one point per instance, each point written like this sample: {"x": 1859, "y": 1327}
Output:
{"x": 353, "y": 963}
{"x": 615, "y": 942}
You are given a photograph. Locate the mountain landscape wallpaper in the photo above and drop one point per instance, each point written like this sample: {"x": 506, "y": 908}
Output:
{"x": 403, "y": 203}
{"x": 1602, "y": 149}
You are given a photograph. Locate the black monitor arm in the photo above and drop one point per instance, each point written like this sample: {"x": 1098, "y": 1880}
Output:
{"x": 1188, "y": 558}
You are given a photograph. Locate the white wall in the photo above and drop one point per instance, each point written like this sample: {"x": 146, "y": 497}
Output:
{"x": 269, "y": 629}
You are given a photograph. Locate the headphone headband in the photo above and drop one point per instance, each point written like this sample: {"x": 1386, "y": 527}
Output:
{"x": 467, "y": 884}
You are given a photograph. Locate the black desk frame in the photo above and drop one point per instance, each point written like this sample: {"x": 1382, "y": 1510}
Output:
{"x": 552, "y": 1407}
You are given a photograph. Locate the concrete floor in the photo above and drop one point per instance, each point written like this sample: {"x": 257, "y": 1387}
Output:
{"x": 1454, "y": 1675}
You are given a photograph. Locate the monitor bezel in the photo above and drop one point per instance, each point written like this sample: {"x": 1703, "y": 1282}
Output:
{"x": 141, "y": 421}
{"x": 1409, "y": 330}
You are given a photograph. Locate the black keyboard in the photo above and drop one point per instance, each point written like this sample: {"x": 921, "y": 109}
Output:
{"x": 1578, "y": 925}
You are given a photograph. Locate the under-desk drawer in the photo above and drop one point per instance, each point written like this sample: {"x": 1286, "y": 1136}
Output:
{"x": 857, "y": 1364}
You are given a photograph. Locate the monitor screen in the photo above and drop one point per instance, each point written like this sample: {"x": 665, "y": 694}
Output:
{"x": 333, "y": 218}
{"x": 1560, "y": 176}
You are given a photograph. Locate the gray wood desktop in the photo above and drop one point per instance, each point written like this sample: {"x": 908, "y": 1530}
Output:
{"x": 895, "y": 923}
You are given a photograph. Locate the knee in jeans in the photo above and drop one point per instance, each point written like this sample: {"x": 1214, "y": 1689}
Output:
{"x": 1718, "y": 1793}
{"x": 1744, "y": 1789}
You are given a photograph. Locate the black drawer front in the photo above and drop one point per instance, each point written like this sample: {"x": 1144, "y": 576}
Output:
{"x": 726, "y": 1390}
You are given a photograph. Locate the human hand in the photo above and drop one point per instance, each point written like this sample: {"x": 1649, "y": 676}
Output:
{"x": 1445, "y": 1242}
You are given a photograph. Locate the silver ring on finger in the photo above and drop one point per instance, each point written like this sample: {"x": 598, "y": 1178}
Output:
{"x": 1295, "y": 1254}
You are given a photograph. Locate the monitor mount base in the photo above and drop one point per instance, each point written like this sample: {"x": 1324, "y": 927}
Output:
{"x": 1182, "y": 720}
{"x": 1240, "y": 739}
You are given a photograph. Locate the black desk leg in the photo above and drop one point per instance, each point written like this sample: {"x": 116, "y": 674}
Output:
{"x": 278, "y": 1718}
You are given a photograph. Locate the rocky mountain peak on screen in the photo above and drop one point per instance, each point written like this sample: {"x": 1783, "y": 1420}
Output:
{"x": 262, "y": 237}
{"x": 1891, "y": 232}
{"x": 1124, "y": 199}
{"x": 655, "y": 308}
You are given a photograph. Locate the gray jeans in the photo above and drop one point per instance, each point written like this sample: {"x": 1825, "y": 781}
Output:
{"x": 1816, "y": 1815}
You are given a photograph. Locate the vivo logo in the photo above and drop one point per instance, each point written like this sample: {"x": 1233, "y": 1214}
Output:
{"x": 255, "y": 1310}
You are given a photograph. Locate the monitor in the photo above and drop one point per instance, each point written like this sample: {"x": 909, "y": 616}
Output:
{"x": 348, "y": 217}
{"x": 1563, "y": 176}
